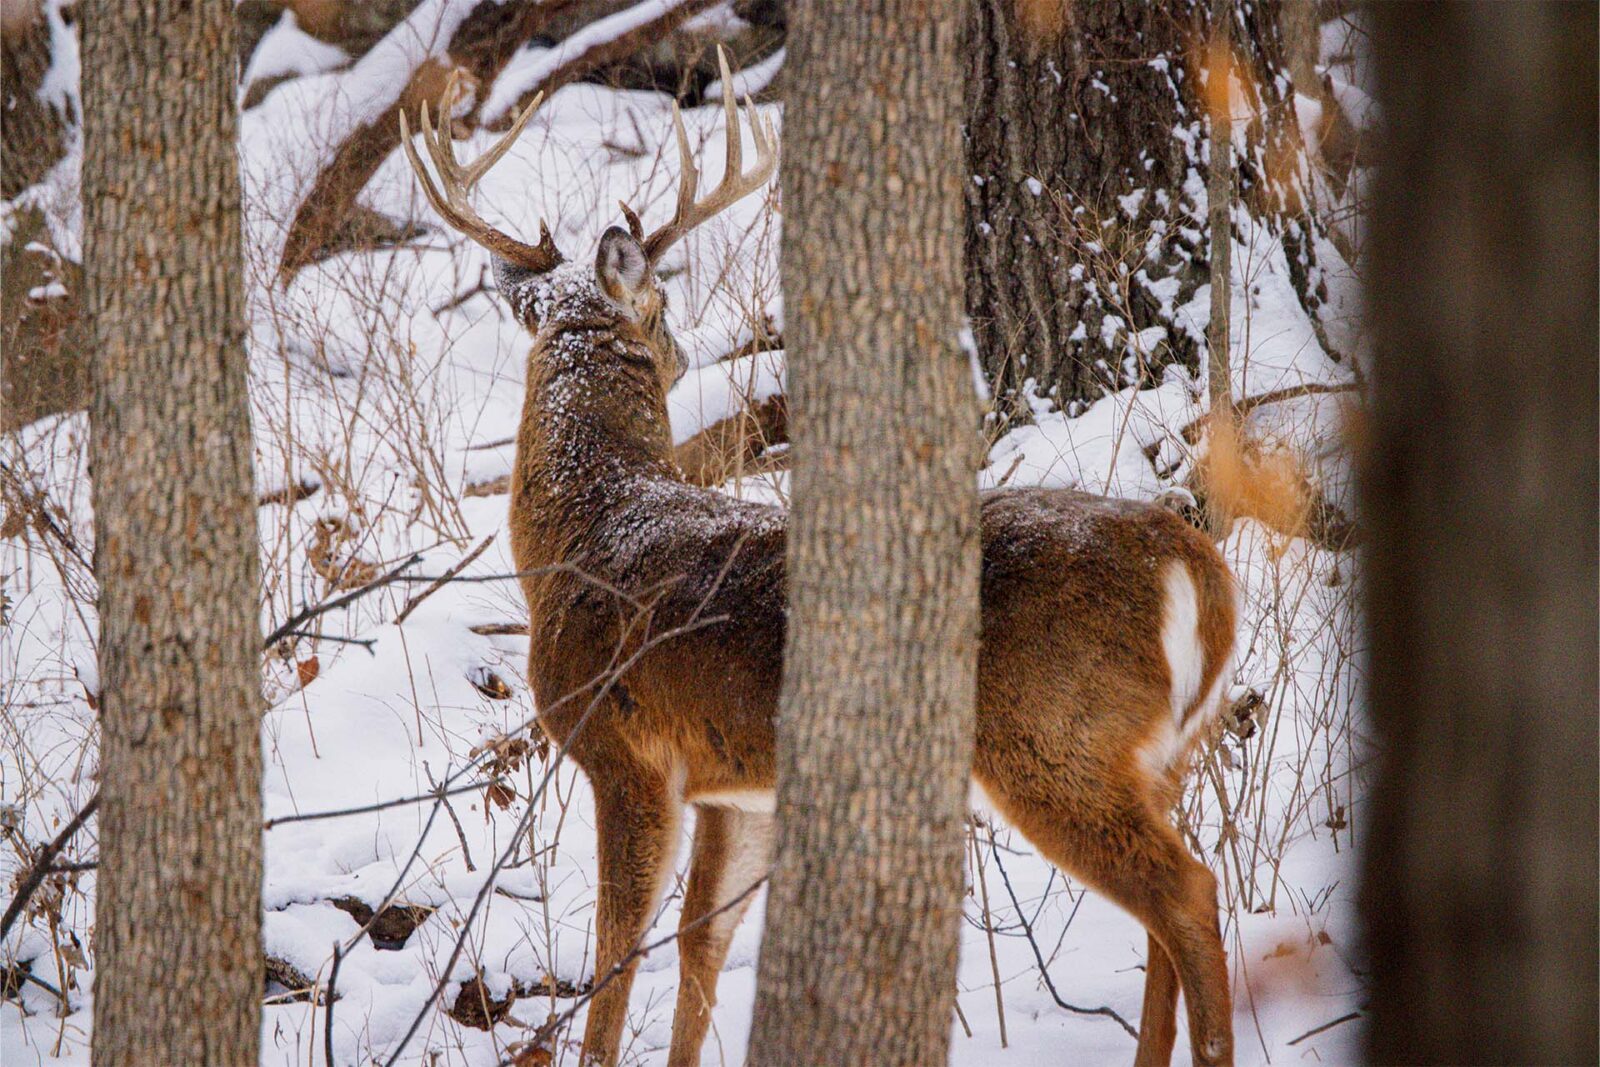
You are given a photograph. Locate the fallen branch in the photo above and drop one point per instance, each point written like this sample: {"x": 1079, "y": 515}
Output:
{"x": 599, "y": 44}
{"x": 481, "y": 45}
{"x": 1191, "y": 431}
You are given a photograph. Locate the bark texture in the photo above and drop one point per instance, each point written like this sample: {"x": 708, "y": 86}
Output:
{"x": 43, "y": 368}
{"x": 874, "y": 732}
{"x": 1085, "y": 147}
{"x": 1479, "y": 897}
{"x": 178, "y": 935}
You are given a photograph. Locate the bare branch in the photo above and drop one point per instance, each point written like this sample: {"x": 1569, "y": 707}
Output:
{"x": 42, "y": 863}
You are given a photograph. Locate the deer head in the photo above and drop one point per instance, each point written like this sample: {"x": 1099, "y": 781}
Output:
{"x": 621, "y": 290}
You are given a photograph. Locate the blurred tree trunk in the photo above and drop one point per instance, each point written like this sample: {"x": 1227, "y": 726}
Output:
{"x": 875, "y": 727}
{"x": 178, "y": 913}
{"x": 1085, "y": 127}
{"x": 1479, "y": 895}
{"x": 1302, "y": 43}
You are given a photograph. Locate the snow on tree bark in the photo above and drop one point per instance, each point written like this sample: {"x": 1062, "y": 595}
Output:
{"x": 1086, "y": 161}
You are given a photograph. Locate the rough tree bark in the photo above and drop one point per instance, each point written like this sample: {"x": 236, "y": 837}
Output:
{"x": 43, "y": 368}
{"x": 1085, "y": 138}
{"x": 875, "y": 726}
{"x": 178, "y": 916}
{"x": 1479, "y": 894}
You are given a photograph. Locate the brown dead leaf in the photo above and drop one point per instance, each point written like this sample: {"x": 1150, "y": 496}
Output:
{"x": 307, "y": 670}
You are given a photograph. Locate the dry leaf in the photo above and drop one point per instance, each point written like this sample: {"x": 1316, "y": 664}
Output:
{"x": 500, "y": 795}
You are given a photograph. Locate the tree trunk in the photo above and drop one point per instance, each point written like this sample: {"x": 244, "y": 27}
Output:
{"x": 43, "y": 364}
{"x": 178, "y": 934}
{"x": 1479, "y": 896}
{"x": 1085, "y": 129}
{"x": 875, "y": 726}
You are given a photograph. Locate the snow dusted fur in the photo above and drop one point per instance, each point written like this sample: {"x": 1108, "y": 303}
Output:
{"x": 1106, "y": 626}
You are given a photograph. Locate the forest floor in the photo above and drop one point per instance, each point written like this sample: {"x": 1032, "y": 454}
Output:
{"x": 386, "y": 388}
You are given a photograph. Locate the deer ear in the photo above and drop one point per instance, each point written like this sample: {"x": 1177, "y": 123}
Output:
{"x": 621, "y": 267}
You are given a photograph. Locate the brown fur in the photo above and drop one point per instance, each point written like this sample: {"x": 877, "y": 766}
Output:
{"x": 1074, "y": 683}
{"x": 1076, "y": 728}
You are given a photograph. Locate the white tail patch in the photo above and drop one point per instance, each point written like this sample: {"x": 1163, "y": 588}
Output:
{"x": 1186, "y": 662}
{"x": 1180, "y": 639}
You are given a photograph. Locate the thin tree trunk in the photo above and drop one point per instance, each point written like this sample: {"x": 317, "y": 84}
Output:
{"x": 1479, "y": 895}
{"x": 875, "y": 727}
{"x": 1219, "y": 196}
{"x": 1219, "y": 203}
{"x": 178, "y": 915}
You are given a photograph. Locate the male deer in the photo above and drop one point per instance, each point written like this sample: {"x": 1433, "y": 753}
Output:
{"x": 1106, "y": 627}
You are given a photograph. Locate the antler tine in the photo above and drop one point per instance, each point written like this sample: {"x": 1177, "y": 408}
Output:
{"x": 730, "y": 111}
{"x": 736, "y": 182}
{"x": 688, "y": 173}
{"x": 456, "y": 180}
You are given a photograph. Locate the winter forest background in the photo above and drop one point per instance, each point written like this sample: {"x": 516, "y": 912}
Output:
{"x": 385, "y": 391}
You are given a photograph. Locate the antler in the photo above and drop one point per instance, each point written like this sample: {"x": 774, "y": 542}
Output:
{"x": 735, "y": 184}
{"x": 458, "y": 180}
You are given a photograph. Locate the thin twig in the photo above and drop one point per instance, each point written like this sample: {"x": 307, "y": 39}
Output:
{"x": 394, "y": 890}
{"x": 365, "y": 642}
{"x": 368, "y": 809}
{"x": 988, "y": 929}
{"x": 440, "y": 582}
{"x": 639, "y": 952}
{"x": 1314, "y": 1031}
{"x": 74, "y": 868}
{"x": 461, "y": 836}
{"x": 327, "y": 1025}
{"x": 307, "y": 614}
{"x": 1027, "y": 930}
{"x": 483, "y": 286}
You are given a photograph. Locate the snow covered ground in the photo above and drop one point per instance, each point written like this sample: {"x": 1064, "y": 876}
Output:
{"x": 386, "y": 387}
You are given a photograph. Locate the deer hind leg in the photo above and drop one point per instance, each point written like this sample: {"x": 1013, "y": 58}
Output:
{"x": 732, "y": 851}
{"x": 1109, "y": 833}
{"x": 638, "y": 811}
{"x": 1158, "y": 1023}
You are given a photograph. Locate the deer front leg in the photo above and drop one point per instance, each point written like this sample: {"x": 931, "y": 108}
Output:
{"x": 732, "y": 851}
{"x": 637, "y": 815}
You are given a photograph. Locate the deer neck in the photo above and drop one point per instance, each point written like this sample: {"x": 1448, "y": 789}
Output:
{"x": 594, "y": 433}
